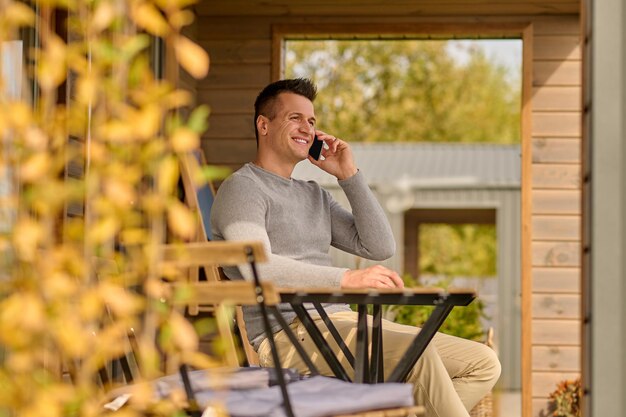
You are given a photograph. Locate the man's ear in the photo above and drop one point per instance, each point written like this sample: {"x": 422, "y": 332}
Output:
{"x": 262, "y": 124}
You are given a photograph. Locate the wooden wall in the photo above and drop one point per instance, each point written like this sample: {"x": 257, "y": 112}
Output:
{"x": 556, "y": 206}
{"x": 238, "y": 36}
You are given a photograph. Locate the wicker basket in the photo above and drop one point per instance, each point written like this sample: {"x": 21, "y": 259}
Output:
{"x": 484, "y": 408}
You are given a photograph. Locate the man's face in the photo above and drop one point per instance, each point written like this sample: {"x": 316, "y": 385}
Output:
{"x": 290, "y": 133}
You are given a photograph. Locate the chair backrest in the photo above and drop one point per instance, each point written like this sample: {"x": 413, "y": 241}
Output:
{"x": 200, "y": 198}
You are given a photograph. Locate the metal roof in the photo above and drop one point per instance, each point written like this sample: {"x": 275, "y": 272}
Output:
{"x": 430, "y": 165}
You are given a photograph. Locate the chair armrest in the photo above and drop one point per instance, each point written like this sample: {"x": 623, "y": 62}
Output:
{"x": 229, "y": 292}
{"x": 211, "y": 253}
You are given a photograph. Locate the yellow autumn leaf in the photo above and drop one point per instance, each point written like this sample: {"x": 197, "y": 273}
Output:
{"x": 87, "y": 89}
{"x": 116, "y": 131}
{"x": 153, "y": 203}
{"x": 20, "y": 115}
{"x": 167, "y": 176}
{"x": 184, "y": 140}
{"x": 103, "y": 230}
{"x": 25, "y": 311}
{"x": 19, "y": 14}
{"x": 98, "y": 152}
{"x": 184, "y": 336}
{"x": 59, "y": 285}
{"x": 72, "y": 337}
{"x": 142, "y": 394}
{"x": 178, "y": 98}
{"x": 181, "y": 18}
{"x": 156, "y": 289}
{"x": 27, "y": 235}
{"x": 119, "y": 192}
{"x": 181, "y": 220}
{"x": 191, "y": 57}
{"x": 35, "y": 138}
{"x": 147, "y": 121}
{"x": 52, "y": 68}
{"x": 121, "y": 302}
{"x": 45, "y": 406}
{"x": 201, "y": 360}
{"x": 35, "y": 167}
{"x": 134, "y": 236}
{"x": 102, "y": 16}
{"x": 90, "y": 306}
{"x": 148, "y": 17}
{"x": 20, "y": 362}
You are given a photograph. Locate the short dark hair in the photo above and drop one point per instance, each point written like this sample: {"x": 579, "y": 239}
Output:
{"x": 264, "y": 103}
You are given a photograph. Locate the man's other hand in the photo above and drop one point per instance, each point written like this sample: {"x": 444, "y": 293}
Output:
{"x": 376, "y": 276}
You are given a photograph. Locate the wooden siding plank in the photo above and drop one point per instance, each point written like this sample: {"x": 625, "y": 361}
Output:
{"x": 556, "y": 202}
{"x": 229, "y": 151}
{"x": 541, "y": 407}
{"x": 548, "y": 98}
{"x": 556, "y": 124}
{"x": 559, "y": 151}
{"x": 259, "y": 27}
{"x": 238, "y": 51}
{"x": 556, "y": 332}
{"x": 557, "y": 47}
{"x": 557, "y": 73}
{"x": 546, "y": 382}
{"x": 556, "y": 280}
{"x": 526, "y": 213}
{"x": 233, "y": 27}
{"x": 556, "y": 176}
{"x": 556, "y": 254}
{"x": 563, "y": 25}
{"x": 229, "y": 101}
{"x": 235, "y": 126}
{"x": 373, "y": 8}
{"x": 556, "y": 228}
{"x": 559, "y": 306}
{"x": 238, "y": 76}
{"x": 557, "y": 358}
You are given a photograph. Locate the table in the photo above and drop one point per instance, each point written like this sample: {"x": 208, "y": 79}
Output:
{"x": 366, "y": 369}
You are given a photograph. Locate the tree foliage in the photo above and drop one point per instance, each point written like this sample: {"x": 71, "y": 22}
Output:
{"x": 407, "y": 90}
{"x": 458, "y": 250}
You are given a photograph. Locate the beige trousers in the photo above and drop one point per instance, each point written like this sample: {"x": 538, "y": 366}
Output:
{"x": 451, "y": 376}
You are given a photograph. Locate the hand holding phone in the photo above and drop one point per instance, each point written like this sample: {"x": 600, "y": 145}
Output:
{"x": 316, "y": 148}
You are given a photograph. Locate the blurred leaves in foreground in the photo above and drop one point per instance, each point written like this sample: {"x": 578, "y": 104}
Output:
{"x": 89, "y": 155}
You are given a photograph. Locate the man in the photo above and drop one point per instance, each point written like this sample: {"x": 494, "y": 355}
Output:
{"x": 298, "y": 221}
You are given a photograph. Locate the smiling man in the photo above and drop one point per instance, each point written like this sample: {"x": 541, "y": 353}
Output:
{"x": 298, "y": 222}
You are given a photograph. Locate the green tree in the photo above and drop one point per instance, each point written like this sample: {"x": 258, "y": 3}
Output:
{"x": 458, "y": 250}
{"x": 407, "y": 90}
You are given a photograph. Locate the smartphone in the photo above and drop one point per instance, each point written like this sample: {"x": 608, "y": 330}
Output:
{"x": 316, "y": 148}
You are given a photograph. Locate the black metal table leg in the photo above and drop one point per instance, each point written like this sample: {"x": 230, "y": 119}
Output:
{"x": 417, "y": 347}
{"x": 321, "y": 344}
{"x": 361, "y": 367}
{"x": 333, "y": 331}
{"x": 377, "y": 369}
{"x": 294, "y": 340}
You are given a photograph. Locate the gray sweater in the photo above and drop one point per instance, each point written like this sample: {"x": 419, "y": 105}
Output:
{"x": 297, "y": 221}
